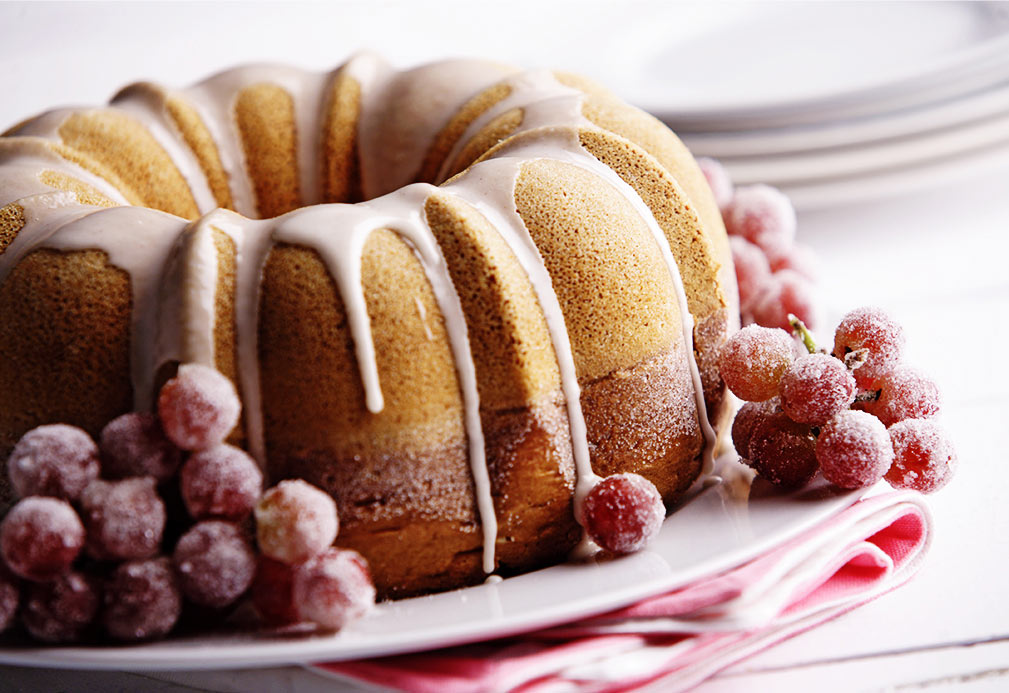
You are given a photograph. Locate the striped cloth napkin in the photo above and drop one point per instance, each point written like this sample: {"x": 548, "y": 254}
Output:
{"x": 676, "y": 640}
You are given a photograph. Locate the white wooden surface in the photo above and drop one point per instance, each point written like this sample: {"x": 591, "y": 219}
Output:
{"x": 937, "y": 259}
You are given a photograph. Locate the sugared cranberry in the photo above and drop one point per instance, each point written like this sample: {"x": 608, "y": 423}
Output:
{"x": 134, "y": 445}
{"x": 124, "y": 519}
{"x": 748, "y": 416}
{"x": 854, "y": 449}
{"x": 904, "y": 393}
{"x": 272, "y": 592}
{"x": 333, "y": 588}
{"x": 753, "y": 274}
{"x": 40, "y": 538}
{"x": 815, "y": 387}
{"x": 718, "y": 180}
{"x": 222, "y": 481}
{"x": 752, "y": 361}
{"x": 198, "y": 407}
{"x": 762, "y": 215}
{"x": 61, "y": 610}
{"x": 142, "y": 600}
{"x": 782, "y": 451}
{"x": 10, "y": 596}
{"x": 874, "y": 330}
{"x": 295, "y": 521}
{"x": 214, "y": 562}
{"x": 924, "y": 457}
{"x": 623, "y": 512}
{"x": 787, "y": 293}
{"x": 55, "y": 460}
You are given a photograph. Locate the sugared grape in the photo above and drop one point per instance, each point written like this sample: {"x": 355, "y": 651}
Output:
{"x": 55, "y": 460}
{"x": 198, "y": 407}
{"x": 295, "y": 521}
{"x": 142, "y": 600}
{"x": 786, "y": 293}
{"x": 718, "y": 180}
{"x": 795, "y": 257}
{"x": 222, "y": 481}
{"x": 854, "y": 449}
{"x": 333, "y": 588}
{"x": 124, "y": 519}
{"x": 747, "y": 418}
{"x": 904, "y": 393}
{"x": 214, "y": 562}
{"x": 10, "y": 596}
{"x": 815, "y": 387}
{"x": 924, "y": 457}
{"x": 61, "y": 610}
{"x": 782, "y": 451}
{"x": 753, "y": 274}
{"x": 134, "y": 445}
{"x": 623, "y": 512}
{"x": 872, "y": 329}
{"x": 752, "y": 361}
{"x": 272, "y": 592}
{"x": 41, "y": 537}
{"x": 762, "y": 215}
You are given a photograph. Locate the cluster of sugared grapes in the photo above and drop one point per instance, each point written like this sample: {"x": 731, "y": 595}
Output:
{"x": 856, "y": 415}
{"x": 774, "y": 273}
{"x": 89, "y": 547}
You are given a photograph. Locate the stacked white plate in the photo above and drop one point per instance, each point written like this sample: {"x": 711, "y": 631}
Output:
{"x": 838, "y": 102}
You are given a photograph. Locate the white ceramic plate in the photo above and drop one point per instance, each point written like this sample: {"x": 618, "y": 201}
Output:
{"x": 722, "y": 526}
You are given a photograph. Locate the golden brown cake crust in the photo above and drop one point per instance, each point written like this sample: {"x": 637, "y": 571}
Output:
{"x": 341, "y": 168}
{"x": 264, "y": 114}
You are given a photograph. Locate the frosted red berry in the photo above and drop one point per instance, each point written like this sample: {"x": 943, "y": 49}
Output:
{"x": 222, "y": 481}
{"x": 787, "y": 292}
{"x": 124, "y": 519}
{"x": 904, "y": 393}
{"x": 872, "y": 329}
{"x": 748, "y": 416}
{"x": 55, "y": 460}
{"x": 60, "y": 611}
{"x": 753, "y": 274}
{"x": 718, "y": 180}
{"x": 762, "y": 215}
{"x": 215, "y": 563}
{"x": 752, "y": 361}
{"x": 815, "y": 387}
{"x": 796, "y": 257}
{"x": 142, "y": 600}
{"x": 135, "y": 445}
{"x": 854, "y": 449}
{"x": 623, "y": 513}
{"x": 10, "y": 597}
{"x": 782, "y": 451}
{"x": 272, "y": 592}
{"x": 295, "y": 521}
{"x": 198, "y": 408}
{"x": 40, "y": 538}
{"x": 924, "y": 457}
{"x": 333, "y": 588}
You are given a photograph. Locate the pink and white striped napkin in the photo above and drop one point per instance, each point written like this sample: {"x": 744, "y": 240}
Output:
{"x": 676, "y": 640}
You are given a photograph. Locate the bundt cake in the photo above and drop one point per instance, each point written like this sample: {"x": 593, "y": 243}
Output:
{"x": 529, "y": 290}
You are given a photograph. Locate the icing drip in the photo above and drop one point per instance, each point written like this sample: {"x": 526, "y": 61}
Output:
{"x": 22, "y": 159}
{"x": 339, "y": 233}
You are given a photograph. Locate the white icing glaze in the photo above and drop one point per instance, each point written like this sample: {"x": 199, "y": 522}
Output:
{"x": 173, "y": 269}
{"x": 24, "y": 158}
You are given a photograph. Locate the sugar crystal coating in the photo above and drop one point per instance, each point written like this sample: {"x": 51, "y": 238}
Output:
{"x": 873, "y": 329}
{"x": 924, "y": 456}
{"x": 61, "y": 610}
{"x": 854, "y": 449}
{"x": 746, "y": 418}
{"x": 142, "y": 600}
{"x": 718, "y": 180}
{"x": 135, "y": 445}
{"x": 333, "y": 588}
{"x": 753, "y": 273}
{"x": 787, "y": 292}
{"x": 54, "y": 460}
{"x": 215, "y": 563}
{"x": 222, "y": 481}
{"x": 295, "y": 521}
{"x": 40, "y": 538}
{"x": 124, "y": 519}
{"x": 272, "y": 592}
{"x": 905, "y": 393}
{"x": 752, "y": 361}
{"x": 10, "y": 596}
{"x": 199, "y": 407}
{"x": 815, "y": 387}
{"x": 782, "y": 450}
{"x": 623, "y": 512}
{"x": 762, "y": 215}
{"x": 796, "y": 257}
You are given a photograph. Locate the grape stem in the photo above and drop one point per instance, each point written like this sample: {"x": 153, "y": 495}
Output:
{"x": 800, "y": 330}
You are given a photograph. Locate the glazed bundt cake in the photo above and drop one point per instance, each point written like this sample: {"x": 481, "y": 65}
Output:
{"x": 529, "y": 290}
